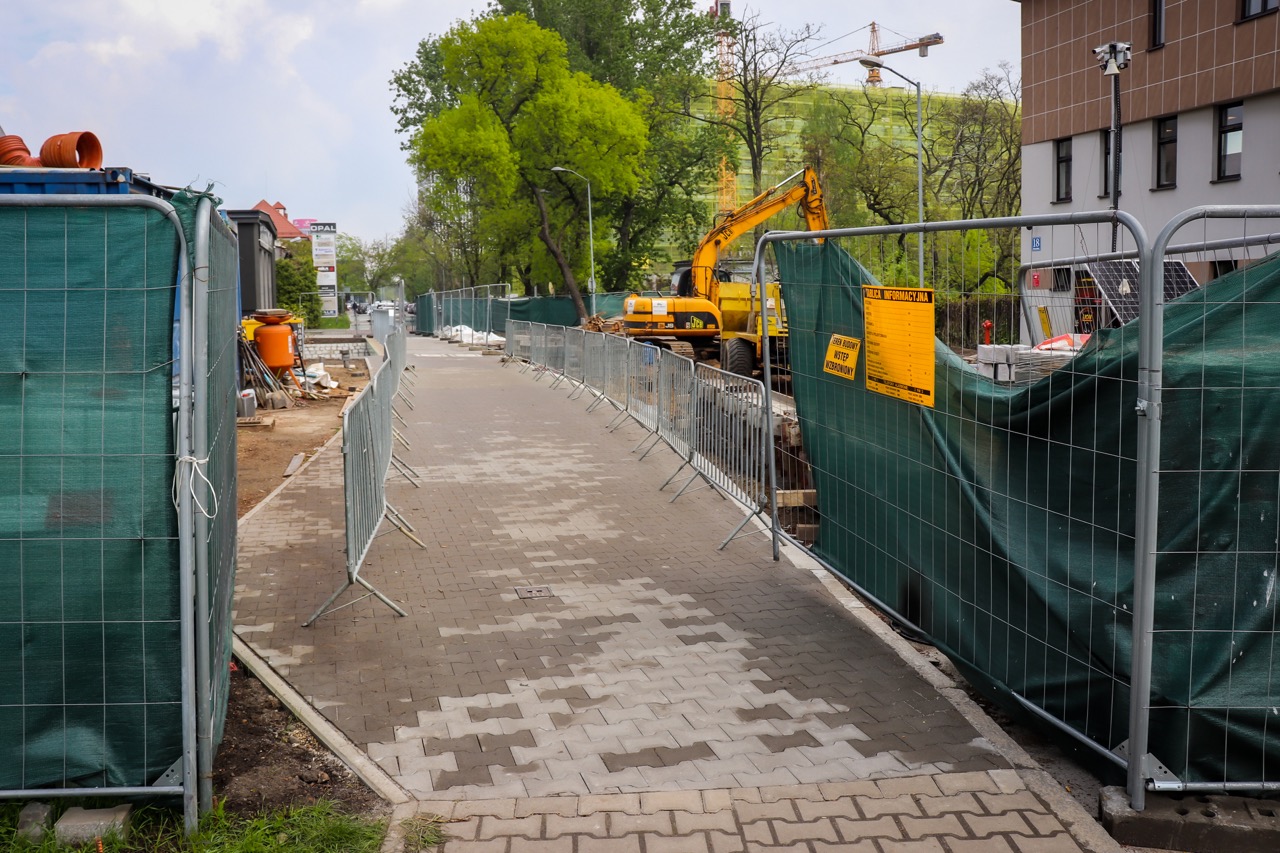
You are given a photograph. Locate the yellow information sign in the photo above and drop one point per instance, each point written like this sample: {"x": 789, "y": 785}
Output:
{"x": 842, "y": 356}
{"x": 900, "y": 336}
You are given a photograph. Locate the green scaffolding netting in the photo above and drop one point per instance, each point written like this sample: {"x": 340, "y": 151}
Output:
{"x": 1001, "y": 522}
{"x": 89, "y": 608}
{"x": 491, "y": 315}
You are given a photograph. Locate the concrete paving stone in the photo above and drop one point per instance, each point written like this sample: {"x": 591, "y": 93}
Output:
{"x": 607, "y": 803}
{"x": 557, "y": 825}
{"x": 535, "y": 845}
{"x": 862, "y": 846}
{"x": 684, "y": 775}
{"x": 557, "y": 785}
{"x": 978, "y": 845}
{"x": 999, "y": 803}
{"x": 919, "y": 827}
{"x": 983, "y": 825}
{"x": 758, "y": 834}
{"x": 412, "y": 764}
{"x": 773, "y": 761}
{"x": 496, "y": 845}
{"x": 621, "y": 823}
{"x": 900, "y": 805}
{"x": 750, "y": 811}
{"x": 496, "y": 808}
{"x": 627, "y": 844}
{"x": 696, "y": 843}
{"x": 919, "y": 845}
{"x": 933, "y": 806}
{"x": 1051, "y": 844}
{"x": 908, "y": 785}
{"x": 817, "y": 830}
{"x": 749, "y": 745}
{"x": 880, "y": 827}
{"x": 1043, "y": 824}
{"x": 812, "y": 810}
{"x": 959, "y": 783}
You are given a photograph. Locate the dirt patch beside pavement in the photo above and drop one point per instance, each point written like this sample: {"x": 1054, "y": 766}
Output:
{"x": 268, "y": 759}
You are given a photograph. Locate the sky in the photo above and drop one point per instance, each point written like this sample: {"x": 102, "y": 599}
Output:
{"x": 289, "y": 101}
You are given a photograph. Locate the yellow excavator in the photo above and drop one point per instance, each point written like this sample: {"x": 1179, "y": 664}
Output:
{"x": 707, "y": 311}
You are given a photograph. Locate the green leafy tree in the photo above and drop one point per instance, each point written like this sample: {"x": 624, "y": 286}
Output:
{"x": 517, "y": 111}
{"x": 296, "y": 286}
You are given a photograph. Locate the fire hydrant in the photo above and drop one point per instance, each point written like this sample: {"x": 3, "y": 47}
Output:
{"x": 987, "y": 326}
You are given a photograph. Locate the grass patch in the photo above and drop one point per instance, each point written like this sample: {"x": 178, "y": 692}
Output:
{"x": 423, "y": 832}
{"x": 342, "y": 321}
{"x": 319, "y": 828}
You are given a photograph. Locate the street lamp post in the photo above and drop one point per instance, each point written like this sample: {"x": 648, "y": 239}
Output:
{"x": 870, "y": 61}
{"x": 591, "y": 239}
{"x": 1112, "y": 57}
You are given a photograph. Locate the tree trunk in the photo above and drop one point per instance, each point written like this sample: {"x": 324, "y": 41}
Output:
{"x": 570, "y": 283}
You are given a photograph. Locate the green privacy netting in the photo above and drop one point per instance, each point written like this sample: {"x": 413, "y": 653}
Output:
{"x": 89, "y": 608}
{"x": 1001, "y": 522}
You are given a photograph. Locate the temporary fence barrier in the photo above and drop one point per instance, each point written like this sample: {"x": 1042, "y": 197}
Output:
{"x": 367, "y": 458}
{"x": 1209, "y": 511}
{"x": 215, "y": 294}
{"x": 115, "y": 613}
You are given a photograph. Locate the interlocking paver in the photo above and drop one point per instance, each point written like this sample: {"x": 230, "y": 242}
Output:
{"x": 710, "y": 683}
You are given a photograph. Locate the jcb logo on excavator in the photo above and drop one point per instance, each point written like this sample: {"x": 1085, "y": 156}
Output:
{"x": 695, "y": 323}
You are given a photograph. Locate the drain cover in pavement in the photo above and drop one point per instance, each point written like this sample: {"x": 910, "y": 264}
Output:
{"x": 533, "y": 591}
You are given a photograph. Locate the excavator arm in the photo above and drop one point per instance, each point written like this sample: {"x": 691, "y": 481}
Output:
{"x": 807, "y": 194}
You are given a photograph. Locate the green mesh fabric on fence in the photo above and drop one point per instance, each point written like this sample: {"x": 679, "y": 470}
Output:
{"x": 89, "y": 608}
{"x": 1001, "y": 522}
{"x": 485, "y": 315}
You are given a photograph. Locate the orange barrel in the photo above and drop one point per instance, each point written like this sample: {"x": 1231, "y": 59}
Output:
{"x": 275, "y": 346}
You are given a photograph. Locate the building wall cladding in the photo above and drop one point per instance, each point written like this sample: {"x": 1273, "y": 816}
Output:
{"x": 1209, "y": 56}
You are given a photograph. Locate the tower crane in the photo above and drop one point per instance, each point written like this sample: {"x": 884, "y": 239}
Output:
{"x": 873, "y": 49}
{"x": 727, "y": 190}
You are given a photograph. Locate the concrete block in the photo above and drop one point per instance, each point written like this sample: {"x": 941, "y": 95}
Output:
{"x": 34, "y": 821}
{"x": 81, "y": 826}
{"x": 1202, "y": 823}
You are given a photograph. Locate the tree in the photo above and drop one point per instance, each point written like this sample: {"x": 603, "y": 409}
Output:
{"x": 296, "y": 285}
{"x": 517, "y": 111}
{"x": 762, "y": 80}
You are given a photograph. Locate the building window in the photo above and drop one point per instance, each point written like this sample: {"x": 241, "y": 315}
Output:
{"x": 1157, "y": 23}
{"x": 1230, "y": 140}
{"x": 1062, "y": 174}
{"x": 1253, "y": 8}
{"x": 1166, "y": 152}
{"x": 1104, "y": 155}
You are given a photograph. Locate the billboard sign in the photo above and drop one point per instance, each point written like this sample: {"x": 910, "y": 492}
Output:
{"x": 324, "y": 244}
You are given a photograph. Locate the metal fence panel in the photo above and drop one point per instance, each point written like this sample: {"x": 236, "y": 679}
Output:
{"x": 617, "y": 358}
{"x": 96, "y": 629}
{"x": 554, "y": 348}
{"x": 730, "y": 434}
{"x": 215, "y": 295}
{"x": 980, "y": 491}
{"x": 1206, "y": 588}
{"x": 574, "y": 341}
{"x": 642, "y": 385}
{"x": 594, "y": 362}
{"x": 677, "y": 393}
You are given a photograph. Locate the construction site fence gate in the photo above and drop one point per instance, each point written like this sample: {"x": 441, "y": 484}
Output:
{"x": 117, "y": 489}
{"x": 1092, "y": 536}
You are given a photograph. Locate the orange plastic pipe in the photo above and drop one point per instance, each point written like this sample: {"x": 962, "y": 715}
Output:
{"x": 14, "y": 152}
{"x": 72, "y": 150}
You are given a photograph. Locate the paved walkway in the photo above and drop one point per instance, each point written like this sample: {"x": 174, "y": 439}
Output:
{"x": 663, "y": 696}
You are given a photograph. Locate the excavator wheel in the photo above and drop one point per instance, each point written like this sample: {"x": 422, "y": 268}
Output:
{"x": 739, "y": 357}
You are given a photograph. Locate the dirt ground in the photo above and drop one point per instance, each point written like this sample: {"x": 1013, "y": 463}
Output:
{"x": 268, "y": 759}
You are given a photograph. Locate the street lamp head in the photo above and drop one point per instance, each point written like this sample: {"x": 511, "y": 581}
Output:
{"x": 869, "y": 61}
{"x": 559, "y": 169}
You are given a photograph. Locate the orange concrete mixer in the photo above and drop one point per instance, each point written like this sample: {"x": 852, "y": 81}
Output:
{"x": 274, "y": 340}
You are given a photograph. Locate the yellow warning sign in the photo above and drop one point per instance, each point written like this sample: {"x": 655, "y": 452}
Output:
{"x": 1045, "y": 325}
{"x": 842, "y": 356}
{"x": 900, "y": 337}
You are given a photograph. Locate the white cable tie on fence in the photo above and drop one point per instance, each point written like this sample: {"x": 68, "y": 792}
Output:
{"x": 196, "y": 470}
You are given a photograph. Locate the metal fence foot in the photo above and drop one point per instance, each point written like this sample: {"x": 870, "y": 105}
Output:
{"x": 683, "y": 465}
{"x": 393, "y": 515}
{"x": 737, "y": 530}
{"x": 408, "y": 473}
{"x": 656, "y": 438}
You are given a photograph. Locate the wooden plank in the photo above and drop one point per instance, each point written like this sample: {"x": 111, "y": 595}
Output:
{"x": 294, "y": 464}
{"x": 797, "y": 497}
{"x": 807, "y": 532}
{"x": 256, "y": 421}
